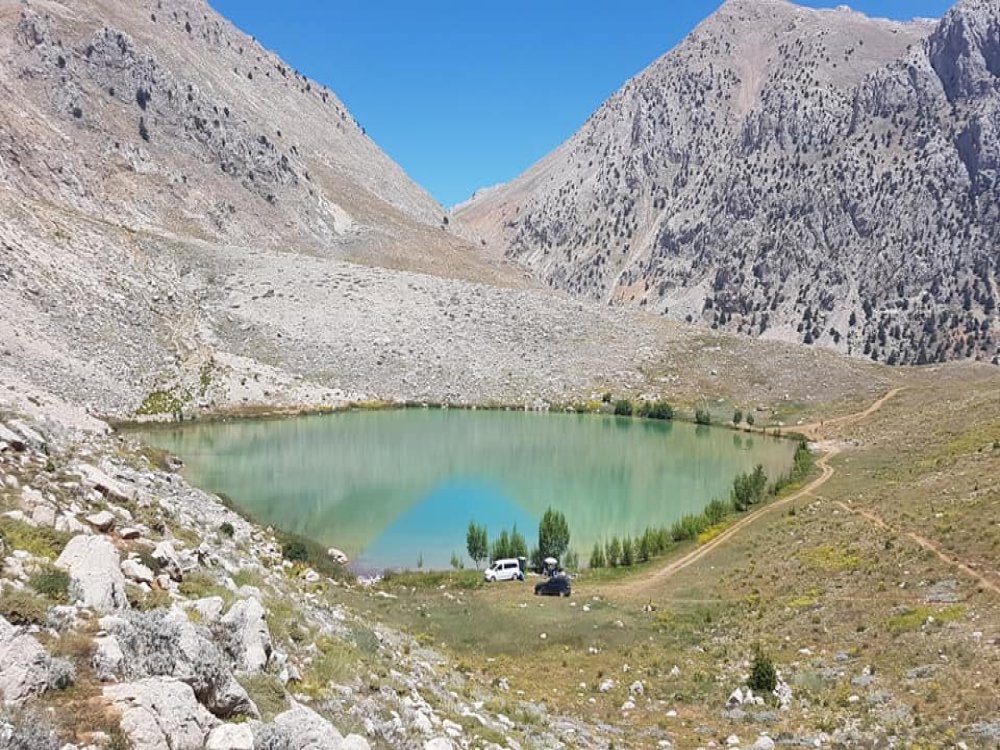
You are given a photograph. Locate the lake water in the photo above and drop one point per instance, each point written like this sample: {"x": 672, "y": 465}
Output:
{"x": 393, "y": 487}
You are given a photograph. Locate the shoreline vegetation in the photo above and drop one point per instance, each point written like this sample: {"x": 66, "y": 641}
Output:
{"x": 656, "y": 410}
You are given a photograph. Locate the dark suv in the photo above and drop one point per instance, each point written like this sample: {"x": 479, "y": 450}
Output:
{"x": 555, "y": 586}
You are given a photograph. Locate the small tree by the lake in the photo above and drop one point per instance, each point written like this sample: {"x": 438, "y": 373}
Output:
{"x": 702, "y": 416}
{"x": 477, "y": 543}
{"x": 597, "y": 558}
{"x": 553, "y": 535}
{"x": 614, "y": 552}
{"x": 750, "y": 418}
{"x": 737, "y": 417}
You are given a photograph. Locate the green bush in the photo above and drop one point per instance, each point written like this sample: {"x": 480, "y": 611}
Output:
{"x": 702, "y": 416}
{"x": 295, "y": 551}
{"x": 623, "y": 408}
{"x": 23, "y": 608}
{"x": 656, "y": 410}
{"x": 226, "y": 529}
{"x": 737, "y": 416}
{"x": 51, "y": 582}
{"x": 763, "y": 676}
{"x": 716, "y": 511}
{"x": 749, "y": 489}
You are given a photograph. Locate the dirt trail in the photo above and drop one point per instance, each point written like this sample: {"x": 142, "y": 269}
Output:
{"x": 640, "y": 584}
{"x": 922, "y": 542}
{"x": 812, "y": 430}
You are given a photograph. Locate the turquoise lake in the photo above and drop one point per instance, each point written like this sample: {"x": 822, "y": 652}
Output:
{"x": 392, "y": 488}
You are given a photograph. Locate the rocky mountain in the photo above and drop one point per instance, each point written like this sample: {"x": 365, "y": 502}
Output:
{"x": 187, "y": 224}
{"x": 808, "y": 175}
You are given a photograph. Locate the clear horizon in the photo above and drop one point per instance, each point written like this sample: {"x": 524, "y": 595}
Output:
{"x": 464, "y": 96}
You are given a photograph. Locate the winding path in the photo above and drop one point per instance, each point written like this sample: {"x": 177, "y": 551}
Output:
{"x": 640, "y": 584}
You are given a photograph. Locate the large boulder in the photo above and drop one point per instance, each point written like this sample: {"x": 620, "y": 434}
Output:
{"x": 96, "y": 580}
{"x": 251, "y": 640}
{"x": 307, "y": 730}
{"x": 24, "y": 666}
{"x": 164, "y": 643}
{"x": 200, "y": 663}
{"x": 104, "y": 484}
{"x": 161, "y": 713}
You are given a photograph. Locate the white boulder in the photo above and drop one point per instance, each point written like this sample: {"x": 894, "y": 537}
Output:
{"x": 96, "y": 580}
{"x": 308, "y": 730}
{"x": 246, "y": 619}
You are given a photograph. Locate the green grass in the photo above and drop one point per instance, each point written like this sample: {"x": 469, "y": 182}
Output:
{"x": 40, "y": 541}
{"x": 266, "y": 692}
{"x": 914, "y": 618}
{"x": 51, "y": 582}
{"x": 23, "y": 608}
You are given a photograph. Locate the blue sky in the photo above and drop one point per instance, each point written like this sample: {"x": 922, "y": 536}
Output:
{"x": 469, "y": 93}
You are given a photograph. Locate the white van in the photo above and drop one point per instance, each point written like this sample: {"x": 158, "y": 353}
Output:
{"x": 504, "y": 570}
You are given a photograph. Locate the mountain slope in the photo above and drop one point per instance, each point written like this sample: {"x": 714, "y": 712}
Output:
{"x": 812, "y": 176}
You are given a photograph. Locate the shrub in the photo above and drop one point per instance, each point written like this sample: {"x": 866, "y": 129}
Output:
{"x": 763, "y": 676}
{"x": 737, "y": 416}
{"x": 143, "y": 130}
{"x": 716, "y": 511}
{"x": 23, "y": 608}
{"x": 571, "y": 560}
{"x": 749, "y": 489}
{"x": 149, "y": 642}
{"x": 456, "y": 561}
{"x": 688, "y": 527}
{"x": 294, "y": 550}
{"x": 266, "y": 691}
{"x": 750, "y": 418}
{"x": 62, "y": 674}
{"x": 702, "y": 416}
{"x": 26, "y": 731}
{"x": 623, "y": 408}
{"x": 273, "y": 737}
{"x": 226, "y": 529}
{"x": 51, "y": 582}
{"x": 659, "y": 410}
{"x": 606, "y": 398}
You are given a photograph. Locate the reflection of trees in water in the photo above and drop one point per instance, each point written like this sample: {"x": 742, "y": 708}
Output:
{"x": 345, "y": 478}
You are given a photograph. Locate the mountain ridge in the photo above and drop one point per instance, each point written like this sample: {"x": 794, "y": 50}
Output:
{"x": 750, "y": 180}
